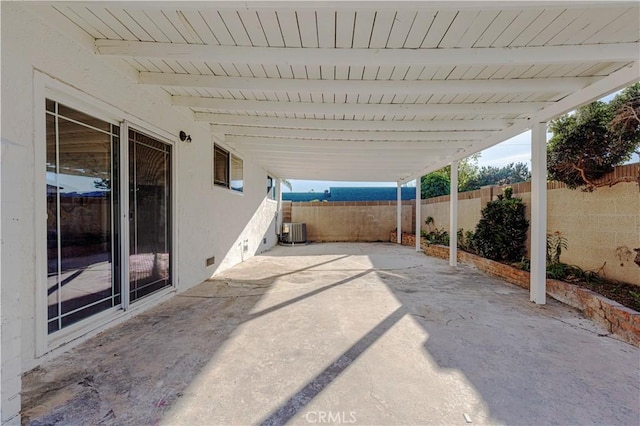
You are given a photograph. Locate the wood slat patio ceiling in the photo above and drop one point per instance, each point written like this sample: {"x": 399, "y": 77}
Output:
{"x": 267, "y": 75}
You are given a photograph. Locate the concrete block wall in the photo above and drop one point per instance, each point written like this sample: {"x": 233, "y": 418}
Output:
{"x": 351, "y": 221}
{"x": 602, "y": 227}
{"x": 468, "y": 212}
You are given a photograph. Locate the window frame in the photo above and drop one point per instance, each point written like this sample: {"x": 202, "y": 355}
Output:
{"x": 233, "y": 157}
{"x": 217, "y": 149}
{"x": 272, "y": 194}
{"x": 229, "y": 161}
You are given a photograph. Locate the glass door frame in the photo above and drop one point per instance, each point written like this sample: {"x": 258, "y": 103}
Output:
{"x": 125, "y": 126}
{"x": 46, "y": 87}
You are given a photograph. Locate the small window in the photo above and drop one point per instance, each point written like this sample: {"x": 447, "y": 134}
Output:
{"x": 237, "y": 181}
{"x": 271, "y": 188}
{"x": 220, "y": 167}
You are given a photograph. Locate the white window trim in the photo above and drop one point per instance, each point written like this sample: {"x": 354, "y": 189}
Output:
{"x": 275, "y": 181}
{"x": 46, "y": 87}
{"x": 231, "y": 157}
{"x": 216, "y": 142}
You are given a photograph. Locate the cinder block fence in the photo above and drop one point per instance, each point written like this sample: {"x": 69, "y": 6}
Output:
{"x": 602, "y": 227}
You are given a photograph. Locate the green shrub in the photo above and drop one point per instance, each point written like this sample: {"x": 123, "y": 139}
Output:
{"x": 558, "y": 270}
{"x": 501, "y": 233}
{"x": 555, "y": 244}
{"x": 465, "y": 240}
{"x": 434, "y": 235}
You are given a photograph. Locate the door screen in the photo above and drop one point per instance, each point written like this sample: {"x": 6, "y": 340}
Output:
{"x": 150, "y": 215}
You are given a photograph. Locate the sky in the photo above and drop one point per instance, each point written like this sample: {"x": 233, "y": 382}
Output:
{"x": 514, "y": 150}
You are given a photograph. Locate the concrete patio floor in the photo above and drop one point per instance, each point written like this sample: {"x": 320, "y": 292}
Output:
{"x": 371, "y": 334}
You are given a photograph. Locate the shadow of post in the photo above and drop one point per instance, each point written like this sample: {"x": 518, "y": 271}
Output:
{"x": 298, "y": 401}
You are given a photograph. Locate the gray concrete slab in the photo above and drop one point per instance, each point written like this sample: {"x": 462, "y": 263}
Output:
{"x": 371, "y": 334}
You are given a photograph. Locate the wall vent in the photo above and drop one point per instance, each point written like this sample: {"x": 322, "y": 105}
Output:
{"x": 294, "y": 233}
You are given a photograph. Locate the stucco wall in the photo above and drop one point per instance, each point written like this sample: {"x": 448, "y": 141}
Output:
{"x": 210, "y": 221}
{"x": 602, "y": 227}
{"x": 468, "y": 214}
{"x": 350, "y": 221}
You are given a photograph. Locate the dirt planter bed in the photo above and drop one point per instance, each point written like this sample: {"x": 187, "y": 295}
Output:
{"x": 617, "y": 319}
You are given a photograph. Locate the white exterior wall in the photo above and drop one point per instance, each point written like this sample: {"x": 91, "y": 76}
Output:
{"x": 210, "y": 221}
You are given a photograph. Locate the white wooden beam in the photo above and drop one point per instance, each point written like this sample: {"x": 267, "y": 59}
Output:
{"x": 335, "y": 159}
{"x": 620, "y": 79}
{"x": 341, "y": 173}
{"x": 348, "y": 134}
{"x": 453, "y": 215}
{"x": 297, "y": 143}
{"x": 374, "y": 87}
{"x": 624, "y": 77}
{"x": 612, "y": 52}
{"x": 538, "y": 277}
{"x": 319, "y": 159}
{"x": 359, "y": 171}
{"x": 369, "y": 125}
{"x": 355, "y": 108}
{"x": 393, "y": 5}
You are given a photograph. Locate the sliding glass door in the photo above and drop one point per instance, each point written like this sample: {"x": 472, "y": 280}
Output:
{"x": 84, "y": 238}
{"x": 149, "y": 215}
{"x": 82, "y": 207}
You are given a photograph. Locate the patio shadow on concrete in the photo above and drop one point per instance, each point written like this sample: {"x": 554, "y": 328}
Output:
{"x": 343, "y": 333}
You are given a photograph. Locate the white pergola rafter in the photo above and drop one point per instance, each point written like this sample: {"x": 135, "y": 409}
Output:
{"x": 336, "y": 158}
{"x": 373, "y": 87}
{"x": 624, "y": 77}
{"x": 258, "y": 5}
{"x": 355, "y": 108}
{"x": 348, "y": 134}
{"x": 367, "y": 125}
{"x": 606, "y": 52}
{"x": 372, "y": 145}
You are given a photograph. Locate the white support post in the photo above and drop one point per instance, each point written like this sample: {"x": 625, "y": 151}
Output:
{"x": 418, "y": 212}
{"x": 399, "y": 213}
{"x": 453, "y": 216}
{"x": 279, "y": 220}
{"x": 538, "y": 283}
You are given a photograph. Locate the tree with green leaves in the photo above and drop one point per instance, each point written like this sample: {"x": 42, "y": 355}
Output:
{"x": 501, "y": 233}
{"x": 509, "y": 174}
{"x": 434, "y": 185}
{"x": 438, "y": 183}
{"x": 588, "y": 143}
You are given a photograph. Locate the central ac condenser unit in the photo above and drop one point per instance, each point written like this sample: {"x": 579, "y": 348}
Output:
{"x": 294, "y": 233}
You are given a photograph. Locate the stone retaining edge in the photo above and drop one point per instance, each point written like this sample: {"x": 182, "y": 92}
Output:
{"x": 614, "y": 317}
